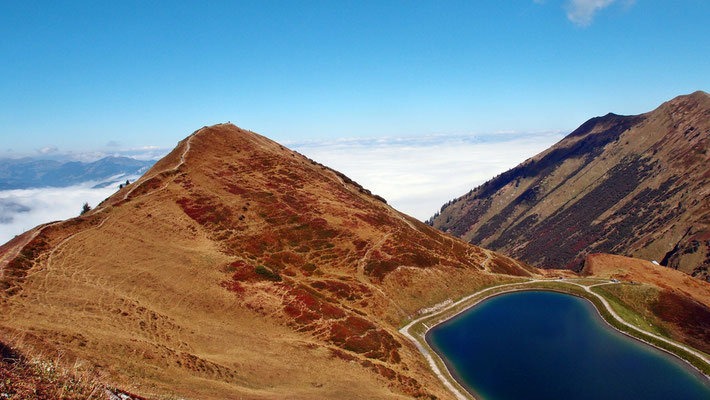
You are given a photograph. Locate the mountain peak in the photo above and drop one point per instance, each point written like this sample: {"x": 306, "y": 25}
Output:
{"x": 700, "y": 94}
{"x": 629, "y": 185}
{"x": 685, "y": 103}
{"x": 233, "y": 249}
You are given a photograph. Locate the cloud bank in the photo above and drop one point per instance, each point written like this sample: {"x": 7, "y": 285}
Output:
{"x": 418, "y": 175}
{"x": 142, "y": 153}
{"x": 23, "y": 209}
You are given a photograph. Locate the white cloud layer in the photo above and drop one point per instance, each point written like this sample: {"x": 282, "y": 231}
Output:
{"x": 143, "y": 153}
{"x": 23, "y": 209}
{"x": 418, "y": 175}
{"x": 582, "y": 12}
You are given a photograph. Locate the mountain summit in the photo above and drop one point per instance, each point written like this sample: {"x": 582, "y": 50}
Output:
{"x": 628, "y": 185}
{"x": 237, "y": 268}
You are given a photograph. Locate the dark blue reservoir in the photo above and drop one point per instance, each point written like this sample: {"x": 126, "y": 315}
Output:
{"x": 547, "y": 345}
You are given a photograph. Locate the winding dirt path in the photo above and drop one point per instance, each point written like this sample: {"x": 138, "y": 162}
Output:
{"x": 486, "y": 264}
{"x": 175, "y": 168}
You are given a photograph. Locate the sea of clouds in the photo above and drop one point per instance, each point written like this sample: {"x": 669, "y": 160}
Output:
{"x": 418, "y": 175}
{"x": 23, "y": 209}
{"x": 415, "y": 174}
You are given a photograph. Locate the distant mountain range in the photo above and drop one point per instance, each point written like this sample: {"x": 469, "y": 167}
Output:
{"x": 24, "y": 173}
{"x": 628, "y": 185}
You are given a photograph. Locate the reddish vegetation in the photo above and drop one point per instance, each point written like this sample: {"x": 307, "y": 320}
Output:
{"x": 234, "y": 189}
{"x": 361, "y": 336}
{"x": 342, "y": 355}
{"x": 343, "y": 290}
{"x": 282, "y": 259}
{"x": 690, "y": 317}
{"x": 146, "y": 186}
{"x": 233, "y": 286}
{"x": 411, "y": 386}
{"x": 16, "y": 270}
{"x": 379, "y": 268}
{"x": 308, "y": 306}
{"x": 422, "y": 251}
{"x": 376, "y": 220}
{"x": 204, "y": 212}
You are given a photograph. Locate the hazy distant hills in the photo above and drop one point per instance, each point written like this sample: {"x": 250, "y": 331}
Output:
{"x": 27, "y": 173}
{"x": 629, "y": 185}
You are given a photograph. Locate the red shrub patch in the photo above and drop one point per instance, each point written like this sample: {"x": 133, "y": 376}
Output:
{"x": 364, "y": 344}
{"x": 360, "y": 244}
{"x": 202, "y": 211}
{"x": 243, "y": 272}
{"x": 690, "y": 317}
{"x": 377, "y": 220}
{"x": 284, "y": 258}
{"x": 34, "y": 248}
{"x": 379, "y": 268}
{"x": 335, "y": 353}
{"x": 234, "y": 189}
{"x": 146, "y": 186}
{"x": 233, "y": 286}
{"x": 306, "y": 309}
{"x": 341, "y": 290}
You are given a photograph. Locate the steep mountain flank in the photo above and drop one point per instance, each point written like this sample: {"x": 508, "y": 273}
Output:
{"x": 236, "y": 268}
{"x": 627, "y": 185}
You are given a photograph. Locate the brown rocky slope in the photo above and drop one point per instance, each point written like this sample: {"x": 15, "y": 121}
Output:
{"x": 629, "y": 185}
{"x": 236, "y": 268}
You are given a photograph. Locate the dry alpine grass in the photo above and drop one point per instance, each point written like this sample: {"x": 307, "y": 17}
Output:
{"x": 44, "y": 377}
{"x": 236, "y": 268}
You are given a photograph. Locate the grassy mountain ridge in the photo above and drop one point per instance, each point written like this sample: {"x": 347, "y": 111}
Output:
{"x": 628, "y": 185}
{"x": 236, "y": 268}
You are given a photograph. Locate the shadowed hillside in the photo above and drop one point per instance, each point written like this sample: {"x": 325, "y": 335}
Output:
{"x": 628, "y": 185}
{"x": 236, "y": 268}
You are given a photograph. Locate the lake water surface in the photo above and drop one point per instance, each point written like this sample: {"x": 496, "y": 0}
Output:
{"x": 547, "y": 345}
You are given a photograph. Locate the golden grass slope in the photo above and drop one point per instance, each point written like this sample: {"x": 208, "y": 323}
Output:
{"x": 236, "y": 268}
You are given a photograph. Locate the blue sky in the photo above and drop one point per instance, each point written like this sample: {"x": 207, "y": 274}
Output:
{"x": 96, "y": 75}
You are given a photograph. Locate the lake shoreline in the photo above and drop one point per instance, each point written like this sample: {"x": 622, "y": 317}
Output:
{"x": 444, "y": 316}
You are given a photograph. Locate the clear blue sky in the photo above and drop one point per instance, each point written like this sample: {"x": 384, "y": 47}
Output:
{"x": 81, "y": 74}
